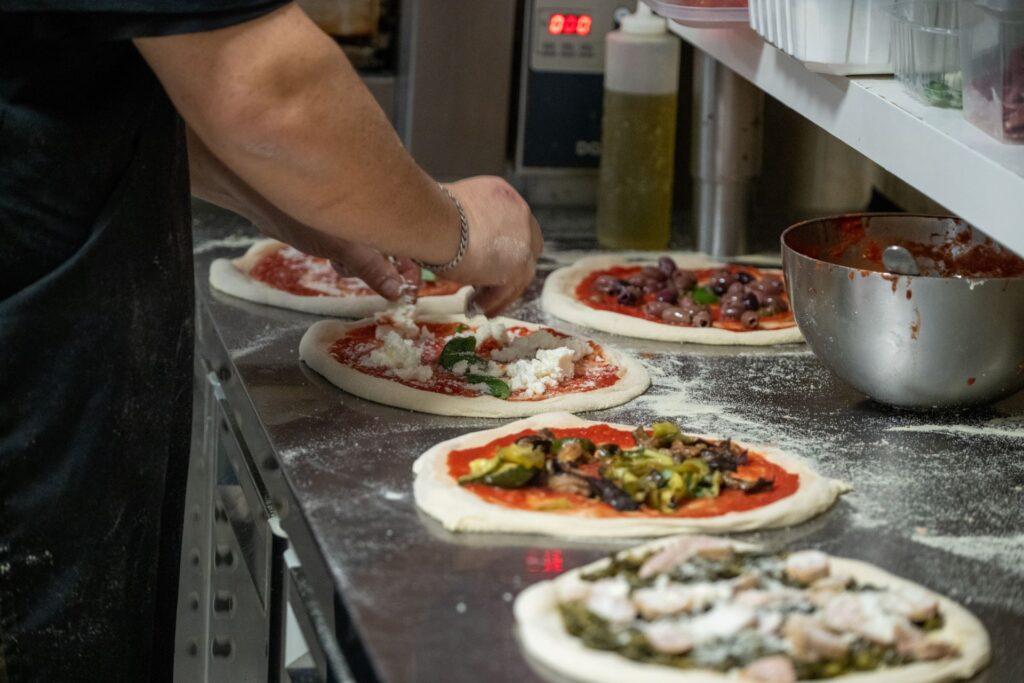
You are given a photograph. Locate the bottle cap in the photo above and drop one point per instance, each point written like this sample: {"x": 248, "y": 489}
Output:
{"x": 643, "y": 21}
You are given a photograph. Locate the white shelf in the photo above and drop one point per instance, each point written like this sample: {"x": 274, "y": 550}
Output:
{"x": 933, "y": 149}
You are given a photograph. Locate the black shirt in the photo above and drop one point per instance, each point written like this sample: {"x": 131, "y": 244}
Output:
{"x": 95, "y": 336}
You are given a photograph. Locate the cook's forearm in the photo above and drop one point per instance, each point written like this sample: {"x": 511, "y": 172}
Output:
{"x": 213, "y": 181}
{"x": 278, "y": 103}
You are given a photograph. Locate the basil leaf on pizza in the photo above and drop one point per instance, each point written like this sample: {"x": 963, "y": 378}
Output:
{"x": 452, "y": 365}
{"x": 703, "y": 608}
{"x": 497, "y": 387}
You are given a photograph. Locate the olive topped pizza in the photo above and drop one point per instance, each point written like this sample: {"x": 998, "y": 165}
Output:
{"x": 273, "y": 273}
{"x": 453, "y": 365}
{"x": 560, "y": 474}
{"x": 685, "y": 297}
{"x": 705, "y": 609}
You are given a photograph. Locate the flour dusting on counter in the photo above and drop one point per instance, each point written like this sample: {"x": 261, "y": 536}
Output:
{"x": 1005, "y": 551}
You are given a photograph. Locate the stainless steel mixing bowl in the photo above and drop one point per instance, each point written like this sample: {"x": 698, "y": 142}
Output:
{"x": 916, "y": 342}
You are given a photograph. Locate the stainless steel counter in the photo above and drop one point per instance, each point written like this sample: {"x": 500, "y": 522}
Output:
{"x": 939, "y": 498}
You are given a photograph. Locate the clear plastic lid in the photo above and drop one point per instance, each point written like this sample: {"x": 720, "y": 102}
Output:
{"x": 703, "y": 13}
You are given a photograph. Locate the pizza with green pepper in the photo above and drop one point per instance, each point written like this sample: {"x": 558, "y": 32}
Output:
{"x": 562, "y": 475}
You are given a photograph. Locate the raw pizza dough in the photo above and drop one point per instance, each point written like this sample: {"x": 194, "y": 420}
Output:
{"x": 544, "y": 638}
{"x": 232, "y": 277}
{"x": 440, "y": 496}
{"x": 559, "y": 299}
{"x": 314, "y": 350}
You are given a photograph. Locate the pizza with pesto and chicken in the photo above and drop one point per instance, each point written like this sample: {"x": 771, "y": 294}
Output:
{"x": 275, "y": 274}
{"x": 683, "y": 297}
{"x": 454, "y": 365}
{"x": 701, "y": 609}
{"x": 562, "y": 475}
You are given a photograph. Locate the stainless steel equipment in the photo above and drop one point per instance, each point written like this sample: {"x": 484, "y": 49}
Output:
{"x": 910, "y": 341}
{"x": 441, "y": 71}
{"x": 726, "y": 154}
{"x": 558, "y": 127}
{"x": 403, "y": 600}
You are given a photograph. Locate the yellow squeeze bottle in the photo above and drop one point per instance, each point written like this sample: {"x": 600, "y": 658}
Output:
{"x": 638, "y": 133}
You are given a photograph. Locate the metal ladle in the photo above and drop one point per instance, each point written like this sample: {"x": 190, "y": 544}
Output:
{"x": 898, "y": 260}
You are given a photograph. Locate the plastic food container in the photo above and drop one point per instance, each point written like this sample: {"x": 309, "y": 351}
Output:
{"x": 926, "y": 50}
{"x": 992, "y": 55}
{"x": 702, "y": 13}
{"x": 843, "y": 37}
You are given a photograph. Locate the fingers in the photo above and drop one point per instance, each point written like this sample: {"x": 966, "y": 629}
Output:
{"x": 374, "y": 269}
{"x": 536, "y": 238}
{"x": 495, "y": 299}
{"x": 410, "y": 272}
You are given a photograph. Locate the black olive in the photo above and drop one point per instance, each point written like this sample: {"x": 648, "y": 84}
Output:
{"x": 718, "y": 289}
{"x": 750, "y": 302}
{"x": 774, "y": 285}
{"x": 655, "y": 308}
{"x": 776, "y": 304}
{"x": 666, "y": 265}
{"x": 668, "y": 295}
{"x": 675, "y": 316}
{"x": 630, "y": 296}
{"x": 608, "y": 450}
{"x": 749, "y": 319}
{"x": 732, "y": 312}
{"x": 684, "y": 279}
{"x": 612, "y": 494}
{"x": 702, "y": 319}
{"x": 744, "y": 277}
{"x": 606, "y": 284}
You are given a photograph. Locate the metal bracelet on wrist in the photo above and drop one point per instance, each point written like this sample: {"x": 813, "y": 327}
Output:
{"x": 463, "y": 239}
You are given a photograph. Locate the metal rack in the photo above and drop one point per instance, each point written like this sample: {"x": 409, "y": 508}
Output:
{"x": 932, "y": 149}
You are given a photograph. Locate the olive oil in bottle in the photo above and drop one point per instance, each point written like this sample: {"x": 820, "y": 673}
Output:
{"x": 638, "y": 134}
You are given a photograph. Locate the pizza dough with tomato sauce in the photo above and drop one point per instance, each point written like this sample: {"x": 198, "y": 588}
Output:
{"x": 560, "y": 298}
{"x": 470, "y": 367}
{"x": 275, "y": 274}
{"x": 802, "y": 494}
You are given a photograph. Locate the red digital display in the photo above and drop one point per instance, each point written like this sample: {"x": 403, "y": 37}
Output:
{"x": 570, "y": 24}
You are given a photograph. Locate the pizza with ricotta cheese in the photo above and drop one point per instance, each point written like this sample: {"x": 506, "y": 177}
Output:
{"x": 275, "y": 274}
{"x": 562, "y": 475}
{"x": 682, "y": 297}
{"x": 454, "y": 365}
{"x": 698, "y": 609}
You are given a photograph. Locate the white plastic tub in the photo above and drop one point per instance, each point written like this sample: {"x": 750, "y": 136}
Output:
{"x": 703, "y": 13}
{"x": 843, "y": 37}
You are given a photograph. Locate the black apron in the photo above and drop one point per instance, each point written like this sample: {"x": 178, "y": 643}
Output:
{"x": 96, "y": 340}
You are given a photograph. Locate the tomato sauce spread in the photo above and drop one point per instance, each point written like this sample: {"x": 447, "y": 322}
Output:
{"x": 536, "y": 498}
{"x": 592, "y": 372}
{"x": 957, "y": 255}
{"x": 289, "y": 270}
{"x": 589, "y": 295}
